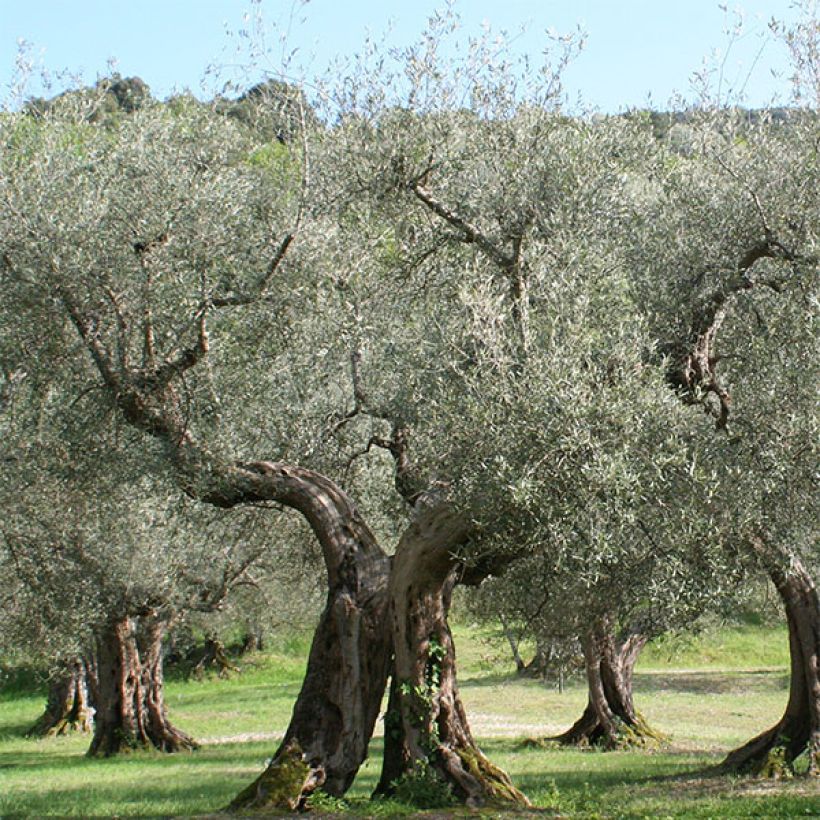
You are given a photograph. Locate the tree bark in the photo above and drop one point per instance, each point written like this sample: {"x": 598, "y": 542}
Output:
{"x": 128, "y": 690}
{"x": 610, "y": 718}
{"x": 512, "y": 640}
{"x": 214, "y": 656}
{"x": 337, "y": 708}
{"x": 773, "y": 752}
{"x": 68, "y": 707}
{"x": 433, "y": 724}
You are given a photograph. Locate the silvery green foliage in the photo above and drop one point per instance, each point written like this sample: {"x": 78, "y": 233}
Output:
{"x": 729, "y": 241}
{"x": 96, "y": 535}
{"x": 454, "y": 258}
{"x": 139, "y": 224}
{"x": 551, "y": 414}
{"x": 540, "y": 410}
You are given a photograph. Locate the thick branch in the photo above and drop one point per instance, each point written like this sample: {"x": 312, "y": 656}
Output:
{"x": 696, "y": 370}
{"x": 470, "y": 232}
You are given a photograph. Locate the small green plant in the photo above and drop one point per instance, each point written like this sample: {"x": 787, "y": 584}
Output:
{"x": 550, "y": 798}
{"x": 435, "y": 655}
{"x": 423, "y": 788}
{"x": 420, "y": 697}
{"x": 326, "y": 803}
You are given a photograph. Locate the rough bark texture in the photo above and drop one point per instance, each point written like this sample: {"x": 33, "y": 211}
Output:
{"x": 336, "y": 711}
{"x": 394, "y": 758}
{"x": 773, "y": 752}
{"x": 434, "y": 728}
{"x": 128, "y": 691}
{"x": 610, "y": 718}
{"x": 68, "y": 707}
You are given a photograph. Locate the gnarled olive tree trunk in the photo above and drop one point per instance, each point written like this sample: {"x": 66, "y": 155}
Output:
{"x": 128, "y": 690}
{"x": 610, "y": 718}
{"x": 431, "y": 725}
{"x": 773, "y": 752}
{"x": 349, "y": 661}
{"x": 68, "y": 707}
{"x": 337, "y": 708}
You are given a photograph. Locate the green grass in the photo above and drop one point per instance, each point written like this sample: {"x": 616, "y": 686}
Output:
{"x": 730, "y": 647}
{"x": 718, "y": 692}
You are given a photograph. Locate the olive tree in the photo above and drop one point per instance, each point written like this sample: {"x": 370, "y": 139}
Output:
{"x": 731, "y": 218}
{"x": 513, "y": 377}
{"x": 147, "y": 242}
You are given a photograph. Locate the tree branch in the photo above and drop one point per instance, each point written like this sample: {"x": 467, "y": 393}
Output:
{"x": 696, "y": 369}
{"x": 470, "y": 233}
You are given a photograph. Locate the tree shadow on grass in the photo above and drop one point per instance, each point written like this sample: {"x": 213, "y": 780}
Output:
{"x": 140, "y": 784}
{"x": 157, "y": 798}
{"x": 15, "y": 730}
{"x": 740, "y": 681}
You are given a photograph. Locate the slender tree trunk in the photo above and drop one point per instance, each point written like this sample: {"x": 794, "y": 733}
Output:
{"x": 68, "y": 707}
{"x": 773, "y": 752}
{"x": 610, "y": 718}
{"x": 512, "y": 640}
{"x": 128, "y": 691}
{"x": 435, "y": 732}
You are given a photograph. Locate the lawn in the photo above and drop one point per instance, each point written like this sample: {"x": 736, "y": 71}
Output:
{"x": 705, "y": 697}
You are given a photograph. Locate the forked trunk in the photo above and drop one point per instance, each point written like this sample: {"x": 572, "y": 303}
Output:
{"x": 434, "y": 732}
{"x": 128, "y": 691}
{"x": 610, "y": 718}
{"x": 68, "y": 708}
{"x": 773, "y": 752}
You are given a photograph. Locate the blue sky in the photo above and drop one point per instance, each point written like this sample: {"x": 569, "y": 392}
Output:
{"x": 635, "y": 48}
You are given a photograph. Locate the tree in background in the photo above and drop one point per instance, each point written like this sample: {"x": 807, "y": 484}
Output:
{"x": 731, "y": 219}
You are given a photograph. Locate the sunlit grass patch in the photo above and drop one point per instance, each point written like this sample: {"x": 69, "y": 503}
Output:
{"x": 704, "y": 709}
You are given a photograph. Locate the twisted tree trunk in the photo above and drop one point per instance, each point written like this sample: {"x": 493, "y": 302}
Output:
{"x": 336, "y": 711}
{"x": 128, "y": 690}
{"x": 337, "y": 707}
{"x": 68, "y": 707}
{"x": 610, "y": 718}
{"x": 773, "y": 752}
{"x": 433, "y": 729}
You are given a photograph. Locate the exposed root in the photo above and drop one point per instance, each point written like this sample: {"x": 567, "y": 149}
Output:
{"x": 498, "y": 789}
{"x": 621, "y": 735}
{"x": 285, "y": 784}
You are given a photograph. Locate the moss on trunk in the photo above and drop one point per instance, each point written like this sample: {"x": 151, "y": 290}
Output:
{"x": 285, "y": 785}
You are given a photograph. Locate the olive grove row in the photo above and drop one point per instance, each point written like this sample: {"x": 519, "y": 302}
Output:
{"x": 460, "y": 336}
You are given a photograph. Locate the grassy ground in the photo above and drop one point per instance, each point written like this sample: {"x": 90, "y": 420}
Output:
{"x": 706, "y": 696}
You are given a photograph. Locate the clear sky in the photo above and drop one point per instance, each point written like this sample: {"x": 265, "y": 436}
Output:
{"x": 635, "y": 48}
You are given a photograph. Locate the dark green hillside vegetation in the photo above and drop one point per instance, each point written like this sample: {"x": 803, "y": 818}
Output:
{"x": 263, "y": 369}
